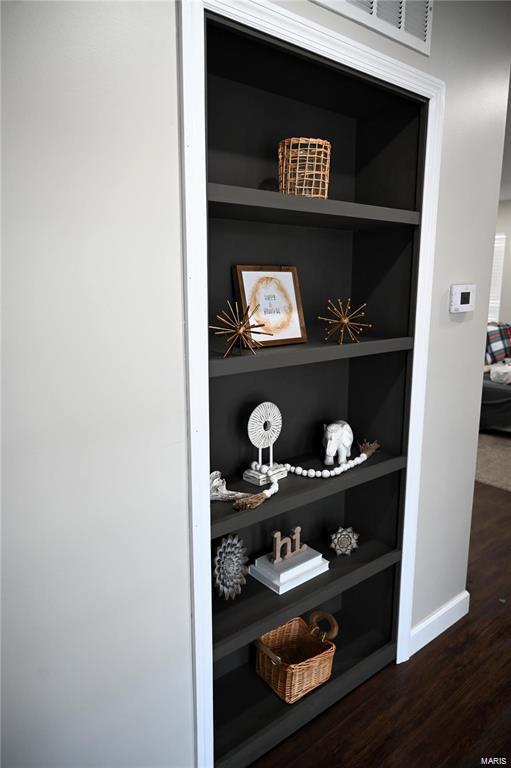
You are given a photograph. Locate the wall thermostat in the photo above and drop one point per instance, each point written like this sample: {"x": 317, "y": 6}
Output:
{"x": 462, "y": 298}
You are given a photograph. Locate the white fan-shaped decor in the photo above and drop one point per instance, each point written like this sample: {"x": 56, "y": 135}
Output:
{"x": 264, "y": 425}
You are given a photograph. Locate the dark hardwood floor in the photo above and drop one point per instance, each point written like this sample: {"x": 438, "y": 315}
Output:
{"x": 450, "y": 704}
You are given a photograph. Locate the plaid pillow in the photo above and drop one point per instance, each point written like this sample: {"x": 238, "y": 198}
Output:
{"x": 498, "y": 342}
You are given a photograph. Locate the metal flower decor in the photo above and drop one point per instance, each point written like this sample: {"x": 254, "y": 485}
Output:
{"x": 344, "y": 541}
{"x": 230, "y": 569}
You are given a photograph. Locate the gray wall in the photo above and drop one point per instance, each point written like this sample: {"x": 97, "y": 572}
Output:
{"x": 471, "y": 52}
{"x": 96, "y": 602}
{"x": 97, "y": 659}
{"x": 504, "y": 225}
{"x": 505, "y": 181}
{"x": 504, "y": 220}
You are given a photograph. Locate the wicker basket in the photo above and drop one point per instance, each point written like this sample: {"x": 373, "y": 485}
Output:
{"x": 295, "y": 658}
{"x": 304, "y": 167}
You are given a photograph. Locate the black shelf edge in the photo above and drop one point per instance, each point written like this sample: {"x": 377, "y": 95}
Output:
{"x": 230, "y": 202}
{"x": 259, "y": 609}
{"x": 277, "y": 720}
{"x": 303, "y": 354}
{"x": 296, "y": 492}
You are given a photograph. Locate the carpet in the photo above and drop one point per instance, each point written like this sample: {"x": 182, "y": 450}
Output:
{"x": 494, "y": 461}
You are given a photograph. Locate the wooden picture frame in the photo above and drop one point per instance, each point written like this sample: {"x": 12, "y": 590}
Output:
{"x": 283, "y": 305}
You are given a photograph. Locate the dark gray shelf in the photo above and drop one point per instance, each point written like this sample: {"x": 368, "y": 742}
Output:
{"x": 229, "y": 202}
{"x": 302, "y": 354}
{"x": 250, "y": 719}
{"x": 258, "y": 609}
{"x": 295, "y": 492}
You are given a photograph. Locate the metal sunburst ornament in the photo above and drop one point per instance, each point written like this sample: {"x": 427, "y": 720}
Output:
{"x": 344, "y": 320}
{"x": 237, "y": 327}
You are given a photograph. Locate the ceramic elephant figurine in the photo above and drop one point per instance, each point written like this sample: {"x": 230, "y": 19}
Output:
{"x": 337, "y": 439}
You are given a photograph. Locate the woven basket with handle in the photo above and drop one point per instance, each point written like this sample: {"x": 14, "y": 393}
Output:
{"x": 297, "y": 657}
{"x": 304, "y": 166}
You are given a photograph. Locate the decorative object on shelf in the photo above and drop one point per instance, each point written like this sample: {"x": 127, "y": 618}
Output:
{"x": 366, "y": 451}
{"x": 230, "y": 567}
{"x": 367, "y": 448}
{"x": 344, "y": 540}
{"x": 218, "y": 490}
{"x": 299, "y": 564}
{"x": 264, "y": 427}
{"x": 337, "y": 440}
{"x": 239, "y": 329}
{"x": 292, "y": 545}
{"x": 297, "y": 657}
{"x": 255, "y": 500}
{"x": 275, "y": 292}
{"x": 344, "y": 320}
{"x": 304, "y": 166}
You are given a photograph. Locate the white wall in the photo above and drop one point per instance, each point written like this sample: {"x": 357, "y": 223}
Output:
{"x": 504, "y": 225}
{"x": 96, "y": 594}
{"x": 470, "y": 51}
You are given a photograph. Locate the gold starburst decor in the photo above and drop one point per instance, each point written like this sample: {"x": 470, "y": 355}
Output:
{"x": 239, "y": 329}
{"x": 344, "y": 540}
{"x": 344, "y": 320}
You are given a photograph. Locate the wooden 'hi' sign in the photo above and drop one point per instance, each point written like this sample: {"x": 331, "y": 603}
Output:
{"x": 291, "y": 544}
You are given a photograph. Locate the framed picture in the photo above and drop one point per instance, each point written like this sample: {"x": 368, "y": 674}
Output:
{"x": 275, "y": 291}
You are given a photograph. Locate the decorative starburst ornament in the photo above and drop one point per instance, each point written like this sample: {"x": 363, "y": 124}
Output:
{"x": 344, "y": 541}
{"x": 230, "y": 567}
{"x": 237, "y": 327}
{"x": 344, "y": 320}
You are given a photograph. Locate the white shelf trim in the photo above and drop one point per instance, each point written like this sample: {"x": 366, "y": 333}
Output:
{"x": 195, "y": 233}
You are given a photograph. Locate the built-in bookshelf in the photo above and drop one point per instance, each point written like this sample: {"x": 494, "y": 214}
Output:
{"x": 360, "y": 242}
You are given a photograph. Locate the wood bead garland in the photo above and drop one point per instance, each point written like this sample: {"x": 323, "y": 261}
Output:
{"x": 366, "y": 451}
{"x": 323, "y": 473}
{"x": 326, "y": 473}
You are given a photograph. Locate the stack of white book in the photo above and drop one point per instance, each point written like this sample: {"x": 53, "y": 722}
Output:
{"x": 290, "y": 573}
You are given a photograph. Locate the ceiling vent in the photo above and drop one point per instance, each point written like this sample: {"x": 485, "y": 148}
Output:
{"x": 408, "y": 21}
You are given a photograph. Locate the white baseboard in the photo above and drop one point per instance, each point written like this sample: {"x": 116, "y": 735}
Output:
{"x": 437, "y": 622}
